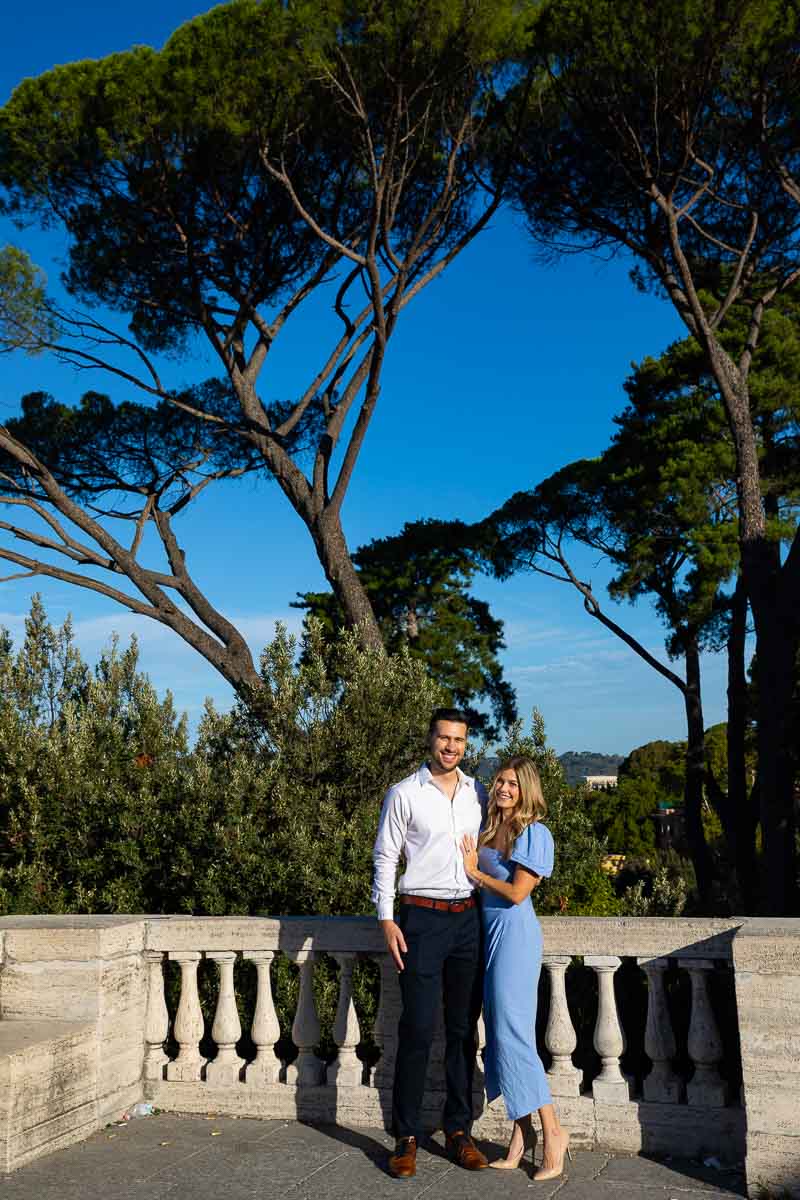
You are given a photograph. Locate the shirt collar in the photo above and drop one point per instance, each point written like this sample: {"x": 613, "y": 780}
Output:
{"x": 425, "y": 776}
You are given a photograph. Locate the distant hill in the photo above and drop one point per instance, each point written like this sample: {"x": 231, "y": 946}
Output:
{"x": 577, "y": 763}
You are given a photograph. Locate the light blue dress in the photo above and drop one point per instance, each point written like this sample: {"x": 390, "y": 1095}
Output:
{"x": 513, "y": 951}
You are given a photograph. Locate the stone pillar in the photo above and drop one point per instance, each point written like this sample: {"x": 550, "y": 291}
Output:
{"x": 610, "y": 1086}
{"x": 226, "y": 1068}
{"x": 348, "y": 1068}
{"x": 307, "y": 1070}
{"x": 663, "y": 1085}
{"x": 156, "y": 1025}
{"x": 559, "y": 1036}
{"x": 706, "y": 1087}
{"x": 766, "y": 961}
{"x": 187, "y": 1067}
{"x": 265, "y": 1067}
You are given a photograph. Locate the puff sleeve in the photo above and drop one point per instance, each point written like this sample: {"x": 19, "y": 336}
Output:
{"x": 534, "y": 849}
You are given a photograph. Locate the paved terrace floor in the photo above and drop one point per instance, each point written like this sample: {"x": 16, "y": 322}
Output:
{"x": 222, "y": 1158}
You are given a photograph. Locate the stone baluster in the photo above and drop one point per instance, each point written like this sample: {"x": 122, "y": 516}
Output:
{"x": 706, "y": 1087}
{"x": 156, "y": 1025}
{"x": 663, "y": 1085}
{"x": 307, "y": 1070}
{"x": 227, "y": 1067}
{"x": 480, "y": 1036}
{"x": 187, "y": 1067}
{"x": 478, "y": 1079}
{"x": 386, "y": 1018}
{"x": 348, "y": 1068}
{"x": 480, "y": 1033}
{"x": 559, "y": 1036}
{"x": 610, "y": 1086}
{"x": 265, "y": 1067}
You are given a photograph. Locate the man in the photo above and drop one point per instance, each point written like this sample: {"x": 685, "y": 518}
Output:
{"x": 435, "y": 941}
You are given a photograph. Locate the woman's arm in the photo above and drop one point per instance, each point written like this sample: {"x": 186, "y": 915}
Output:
{"x": 520, "y": 887}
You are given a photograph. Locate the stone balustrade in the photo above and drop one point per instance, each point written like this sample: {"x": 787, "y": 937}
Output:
{"x": 697, "y": 1111}
{"x": 641, "y": 1026}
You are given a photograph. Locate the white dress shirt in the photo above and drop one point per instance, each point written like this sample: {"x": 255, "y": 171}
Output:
{"x": 421, "y": 824}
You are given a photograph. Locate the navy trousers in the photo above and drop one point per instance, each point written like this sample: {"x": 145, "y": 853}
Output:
{"x": 444, "y": 962}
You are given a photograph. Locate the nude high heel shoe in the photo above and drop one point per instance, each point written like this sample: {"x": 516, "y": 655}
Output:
{"x": 509, "y": 1164}
{"x": 554, "y": 1172}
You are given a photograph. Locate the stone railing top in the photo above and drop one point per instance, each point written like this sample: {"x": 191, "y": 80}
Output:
{"x": 642, "y": 937}
{"x": 65, "y": 936}
{"x": 762, "y": 940}
{"x": 73, "y": 920}
{"x": 76, "y": 938}
{"x": 768, "y": 945}
{"x": 622, "y": 936}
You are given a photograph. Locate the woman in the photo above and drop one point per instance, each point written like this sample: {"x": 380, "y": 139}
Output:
{"x": 513, "y": 854}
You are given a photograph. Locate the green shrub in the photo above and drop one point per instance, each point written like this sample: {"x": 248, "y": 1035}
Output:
{"x": 106, "y": 809}
{"x": 578, "y": 885}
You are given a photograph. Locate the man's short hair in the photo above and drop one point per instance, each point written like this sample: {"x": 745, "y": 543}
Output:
{"x": 447, "y": 714}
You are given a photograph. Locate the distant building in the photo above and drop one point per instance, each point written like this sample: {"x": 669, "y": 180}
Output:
{"x": 670, "y": 827}
{"x": 577, "y": 764}
{"x": 612, "y": 864}
{"x": 597, "y": 782}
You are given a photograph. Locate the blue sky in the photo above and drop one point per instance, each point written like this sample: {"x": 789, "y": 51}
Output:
{"x": 501, "y": 372}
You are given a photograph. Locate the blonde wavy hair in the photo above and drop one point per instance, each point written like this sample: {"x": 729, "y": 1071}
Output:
{"x": 530, "y": 807}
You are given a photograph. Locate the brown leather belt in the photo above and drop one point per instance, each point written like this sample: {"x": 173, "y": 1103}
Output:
{"x": 454, "y": 906}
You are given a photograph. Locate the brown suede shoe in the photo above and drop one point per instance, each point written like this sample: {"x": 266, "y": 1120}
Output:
{"x": 403, "y": 1163}
{"x": 463, "y": 1151}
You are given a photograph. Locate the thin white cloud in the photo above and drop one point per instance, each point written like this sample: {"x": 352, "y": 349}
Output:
{"x": 583, "y": 662}
{"x": 12, "y": 620}
{"x": 96, "y": 632}
{"x": 520, "y": 634}
{"x": 171, "y": 663}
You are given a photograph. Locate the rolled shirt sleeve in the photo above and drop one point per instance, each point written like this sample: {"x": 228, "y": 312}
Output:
{"x": 387, "y": 851}
{"x": 534, "y": 849}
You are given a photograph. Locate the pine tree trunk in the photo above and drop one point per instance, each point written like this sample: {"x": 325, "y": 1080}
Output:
{"x": 741, "y": 804}
{"x": 775, "y": 618}
{"x": 343, "y": 578}
{"x": 695, "y": 774}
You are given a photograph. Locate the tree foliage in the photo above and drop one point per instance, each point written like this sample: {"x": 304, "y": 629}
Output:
{"x": 660, "y": 504}
{"x": 108, "y": 455}
{"x": 270, "y": 151}
{"x": 417, "y": 583}
{"x": 670, "y": 129}
{"x": 578, "y": 885}
{"x": 623, "y": 815}
{"x": 657, "y": 505}
{"x": 89, "y": 766}
{"x": 667, "y": 128}
{"x": 24, "y": 320}
{"x": 106, "y": 808}
{"x": 660, "y": 764}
